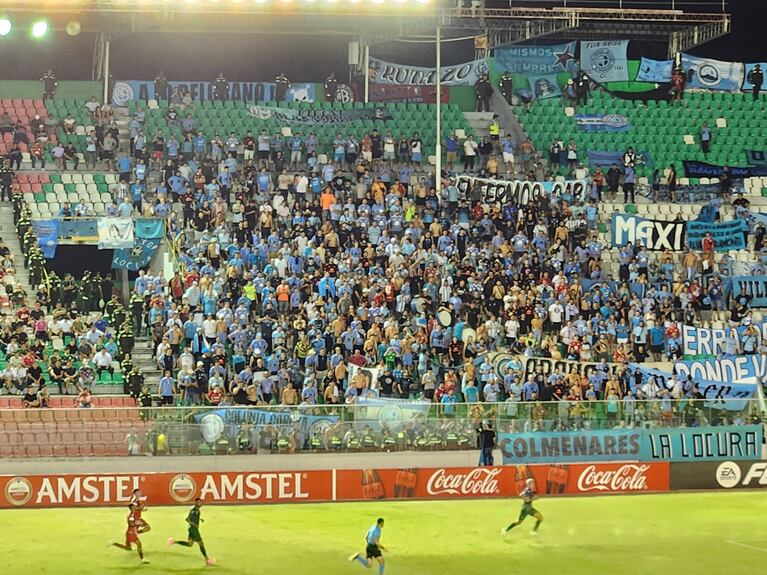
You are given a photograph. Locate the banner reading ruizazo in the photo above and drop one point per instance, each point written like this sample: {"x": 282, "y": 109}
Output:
{"x": 468, "y": 73}
{"x": 654, "y": 235}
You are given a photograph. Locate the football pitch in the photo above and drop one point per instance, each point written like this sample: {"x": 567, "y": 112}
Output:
{"x": 704, "y": 534}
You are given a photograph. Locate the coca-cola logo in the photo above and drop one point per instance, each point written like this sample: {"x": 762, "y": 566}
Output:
{"x": 478, "y": 481}
{"x": 627, "y": 477}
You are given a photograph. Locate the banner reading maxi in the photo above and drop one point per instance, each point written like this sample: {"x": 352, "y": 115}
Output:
{"x": 519, "y": 192}
{"x": 654, "y": 235}
{"x": 672, "y": 444}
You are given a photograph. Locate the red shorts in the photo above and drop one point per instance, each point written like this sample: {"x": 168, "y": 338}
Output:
{"x": 131, "y": 536}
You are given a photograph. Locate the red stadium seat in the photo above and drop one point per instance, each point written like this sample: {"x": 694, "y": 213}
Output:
{"x": 35, "y": 451}
{"x": 73, "y": 451}
{"x": 99, "y": 449}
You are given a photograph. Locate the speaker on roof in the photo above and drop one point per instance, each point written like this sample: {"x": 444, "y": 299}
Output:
{"x": 354, "y": 54}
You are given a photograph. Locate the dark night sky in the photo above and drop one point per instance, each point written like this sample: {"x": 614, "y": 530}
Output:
{"x": 254, "y": 57}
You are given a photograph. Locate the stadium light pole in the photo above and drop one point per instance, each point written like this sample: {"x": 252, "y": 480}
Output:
{"x": 438, "y": 146}
{"x": 106, "y": 72}
{"x": 366, "y": 66}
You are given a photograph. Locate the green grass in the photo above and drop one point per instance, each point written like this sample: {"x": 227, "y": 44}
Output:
{"x": 679, "y": 534}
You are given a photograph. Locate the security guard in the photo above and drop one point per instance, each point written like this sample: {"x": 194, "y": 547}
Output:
{"x": 368, "y": 439}
{"x": 54, "y": 288}
{"x": 482, "y": 92}
{"x": 507, "y": 87}
{"x": 110, "y": 307}
{"x": 331, "y": 87}
{"x": 135, "y": 381}
{"x": 756, "y": 79}
{"x": 6, "y": 179}
{"x": 160, "y": 87}
{"x": 136, "y": 305}
{"x": 49, "y": 84}
{"x": 126, "y": 338}
{"x": 283, "y": 442}
{"x": 220, "y": 88}
{"x": 281, "y": 88}
{"x": 388, "y": 442}
{"x": 495, "y": 133}
{"x": 316, "y": 442}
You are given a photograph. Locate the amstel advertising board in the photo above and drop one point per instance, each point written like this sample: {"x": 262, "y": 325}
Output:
{"x": 330, "y": 485}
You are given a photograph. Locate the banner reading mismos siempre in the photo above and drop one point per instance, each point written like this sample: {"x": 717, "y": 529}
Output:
{"x": 468, "y": 73}
{"x": 535, "y": 60}
{"x": 713, "y": 475}
{"x": 100, "y": 490}
{"x": 671, "y": 444}
{"x": 519, "y": 192}
{"x": 654, "y": 235}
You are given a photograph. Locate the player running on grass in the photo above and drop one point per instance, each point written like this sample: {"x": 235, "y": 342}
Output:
{"x": 194, "y": 520}
{"x": 527, "y": 495}
{"x": 373, "y": 548}
{"x": 139, "y": 501}
{"x": 131, "y": 535}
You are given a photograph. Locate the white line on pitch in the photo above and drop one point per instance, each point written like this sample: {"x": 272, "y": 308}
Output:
{"x": 763, "y": 550}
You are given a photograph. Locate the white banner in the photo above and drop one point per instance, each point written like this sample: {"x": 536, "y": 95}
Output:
{"x": 519, "y": 192}
{"x": 115, "y": 233}
{"x": 605, "y": 60}
{"x": 468, "y": 73}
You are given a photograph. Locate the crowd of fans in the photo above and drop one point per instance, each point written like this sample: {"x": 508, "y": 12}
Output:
{"x": 294, "y": 272}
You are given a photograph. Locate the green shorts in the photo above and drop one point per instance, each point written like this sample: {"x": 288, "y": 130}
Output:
{"x": 527, "y": 510}
{"x": 194, "y": 535}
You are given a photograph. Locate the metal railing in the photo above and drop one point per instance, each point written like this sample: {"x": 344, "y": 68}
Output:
{"x": 374, "y": 426}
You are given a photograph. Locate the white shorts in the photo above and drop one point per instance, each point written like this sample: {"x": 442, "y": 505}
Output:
{"x": 368, "y": 156}
{"x": 508, "y": 158}
{"x": 248, "y": 154}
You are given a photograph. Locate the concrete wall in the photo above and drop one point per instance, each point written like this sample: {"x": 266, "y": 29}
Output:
{"x": 66, "y": 90}
{"x": 210, "y": 463}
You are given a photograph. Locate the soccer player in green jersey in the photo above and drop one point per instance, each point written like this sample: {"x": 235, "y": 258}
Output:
{"x": 194, "y": 520}
{"x": 373, "y": 548}
{"x": 527, "y": 495}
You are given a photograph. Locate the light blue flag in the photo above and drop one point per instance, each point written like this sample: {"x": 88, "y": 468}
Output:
{"x": 47, "y": 232}
{"x": 535, "y": 60}
{"x": 708, "y": 74}
{"x": 544, "y": 87}
{"x": 655, "y": 70}
{"x": 605, "y": 60}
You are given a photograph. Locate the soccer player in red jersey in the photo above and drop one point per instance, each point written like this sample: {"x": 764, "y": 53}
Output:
{"x": 139, "y": 501}
{"x": 131, "y": 535}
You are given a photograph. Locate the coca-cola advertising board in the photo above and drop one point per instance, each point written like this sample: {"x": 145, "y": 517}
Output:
{"x": 330, "y": 485}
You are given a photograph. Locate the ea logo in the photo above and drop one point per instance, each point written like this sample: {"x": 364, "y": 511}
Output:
{"x": 122, "y": 92}
{"x": 708, "y": 75}
{"x": 728, "y": 474}
{"x": 602, "y": 61}
{"x": 18, "y": 491}
{"x": 182, "y": 488}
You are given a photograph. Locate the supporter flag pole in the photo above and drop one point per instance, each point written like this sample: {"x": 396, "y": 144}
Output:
{"x": 106, "y": 72}
{"x": 438, "y": 107}
{"x": 366, "y": 75}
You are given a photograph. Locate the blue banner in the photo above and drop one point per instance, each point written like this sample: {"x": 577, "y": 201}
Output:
{"x": 214, "y": 423}
{"x": 727, "y": 395}
{"x": 709, "y": 74}
{"x": 124, "y": 91}
{"x": 80, "y": 229}
{"x": 655, "y": 70}
{"x": 727, "y": 235}
{"x": 660, "y": 444}
{"x": 137, "y": 257}
{"x": 713, "y": 342}
{"x": 151, "y": 228}
{"x": 534, "y": 60}
{"x": 747, "y": 85}
{"x": 756, "y": 157}
{"x": 47, "y": 232}
{"x": 693, "y": 169}
{"x": 606, "y": 158}
{"x": 605, "y": 60}
{"x": 393, "y": 413}
{"x": 543, "y": 87}
{"x": 728, "y": 368}
{"x": 708, "y": 214}
{"x": 753, "y": 287}
{"x": 606, "y": 123}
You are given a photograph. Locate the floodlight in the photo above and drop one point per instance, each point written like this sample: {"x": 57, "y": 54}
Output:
{"x": 39, "y": 29}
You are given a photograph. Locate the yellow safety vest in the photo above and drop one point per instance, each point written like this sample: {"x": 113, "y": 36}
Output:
{"x": 495, "y": 129}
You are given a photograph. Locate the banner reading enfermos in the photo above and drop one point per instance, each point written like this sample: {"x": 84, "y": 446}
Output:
{"x": 655, "y": 235}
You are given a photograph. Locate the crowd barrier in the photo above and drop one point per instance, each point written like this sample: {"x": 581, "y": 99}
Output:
{"x": 527, "y": 432}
